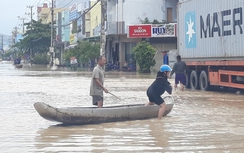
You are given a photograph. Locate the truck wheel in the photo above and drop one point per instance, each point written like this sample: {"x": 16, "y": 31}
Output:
{"x": 194, "y": 80}
{"x": 188, "y": 80}
{"x": 203, "y": 81}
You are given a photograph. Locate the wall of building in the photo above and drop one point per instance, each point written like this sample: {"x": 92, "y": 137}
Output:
{"x": 88, "y": 24}
{"x": 159, "y": 57}
{"x": 170, "y": 4}
{"x": 122, "y": 11}
{"x": 45, "y": 14}
{"x": 63, "y": 3}
{"x": 65, "y": 29}
{"x": 95, "y": 19}
{"x": 141, "y": 9}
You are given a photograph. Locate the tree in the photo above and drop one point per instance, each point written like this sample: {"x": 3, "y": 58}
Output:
{"x": 144, "y": 55}
{"x": 36, "y": 38}
{"x": 84, "y": 52}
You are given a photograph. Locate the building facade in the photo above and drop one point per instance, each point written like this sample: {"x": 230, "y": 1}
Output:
{"x": 120, "y": 19}
{"x": 69, "y": 26}
{"x": 93, "y": 20}
{"x": 85, "y": 23}
{"x": 44, "y": 13}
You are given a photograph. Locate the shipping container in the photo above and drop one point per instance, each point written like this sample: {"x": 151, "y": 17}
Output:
{"x": 211, "y": 41}
{"x": 211, "y": 29}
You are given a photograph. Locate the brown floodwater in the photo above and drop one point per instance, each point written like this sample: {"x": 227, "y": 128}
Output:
{"x": 199, "y": 122}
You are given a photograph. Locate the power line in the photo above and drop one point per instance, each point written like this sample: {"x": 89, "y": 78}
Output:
{"x": 36, "y": 2}
{"x": 68, "y": 4}
{"x": 31, "y": 13}
{"x": 63, "y": 2}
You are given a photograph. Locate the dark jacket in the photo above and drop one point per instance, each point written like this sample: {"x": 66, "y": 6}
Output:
{"x": 179, "y": 68}
{"x": 160, "y": 85}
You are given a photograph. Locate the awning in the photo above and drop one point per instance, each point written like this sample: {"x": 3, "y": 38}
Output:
{"x": 93, "y": 39}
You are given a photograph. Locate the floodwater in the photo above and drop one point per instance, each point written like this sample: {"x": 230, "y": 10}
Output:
{"x": 199, "y": 122}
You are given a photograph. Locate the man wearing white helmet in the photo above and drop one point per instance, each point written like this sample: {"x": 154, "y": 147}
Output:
{"x": 158, "y": 87}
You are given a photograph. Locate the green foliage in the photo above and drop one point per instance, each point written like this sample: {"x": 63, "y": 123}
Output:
{"x": 155, "y": 22}
{"x": 7, "y": 54}
{"x": 84, "y": 52}
{"x": 147, "y": 21}
{"x": 41, "y": 59}
{"x": 37, "y": 38}
{"x": 144, "y": 56}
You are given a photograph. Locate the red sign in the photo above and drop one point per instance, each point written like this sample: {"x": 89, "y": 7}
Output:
{"x": 140, "y": 31}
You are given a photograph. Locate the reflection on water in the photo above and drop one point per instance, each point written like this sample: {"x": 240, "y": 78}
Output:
{"x": 126, "y": 136}
{"x": 199, "y": 121}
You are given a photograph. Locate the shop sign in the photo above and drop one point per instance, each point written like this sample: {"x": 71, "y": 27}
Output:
{"x": 140, "y": 31}
{"x": 163, "y": 30}
{"x": 72, "y": 12}
{"x": 73, "y": 38}
{"x": 151, "y": 30}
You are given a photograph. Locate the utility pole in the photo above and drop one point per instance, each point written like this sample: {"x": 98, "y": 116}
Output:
{"x": 52, "y": 48}
{"x": 23, "y": 22}
{"x": 31, "y": 15}
{"x": 14, "y": 34}
{"x": 2, "y": 42}
{"x": 2, "y": 47}
{"x": 102, "y": 32}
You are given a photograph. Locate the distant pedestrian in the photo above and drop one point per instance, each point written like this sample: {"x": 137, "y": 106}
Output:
{"x": 179, "y": 69}
{"x": 97, "y": 88}
{"x": 165, "y": 58}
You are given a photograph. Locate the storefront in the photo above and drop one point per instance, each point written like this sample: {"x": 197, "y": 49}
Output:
{"x": 119, "y": 49}
{"x": 161, "y": 36}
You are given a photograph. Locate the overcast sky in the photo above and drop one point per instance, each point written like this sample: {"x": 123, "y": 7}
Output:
{"x": 11, "y": 9}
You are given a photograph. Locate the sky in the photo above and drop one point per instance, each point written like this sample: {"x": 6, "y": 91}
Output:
{"x": 11, "y": 9}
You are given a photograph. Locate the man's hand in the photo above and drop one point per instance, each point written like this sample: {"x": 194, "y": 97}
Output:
{"x": 105, "y": 90}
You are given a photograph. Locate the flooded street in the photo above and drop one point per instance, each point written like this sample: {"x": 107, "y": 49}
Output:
{"x": 199, "y": 122}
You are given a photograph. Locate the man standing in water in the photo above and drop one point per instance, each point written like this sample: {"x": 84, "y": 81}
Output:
{"x": 179, "y": 69}
{"x": 97, "y": 88}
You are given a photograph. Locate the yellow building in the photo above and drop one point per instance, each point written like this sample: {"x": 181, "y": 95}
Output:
{"x": 44, "y": 13}
{"x": 93, "y": 19}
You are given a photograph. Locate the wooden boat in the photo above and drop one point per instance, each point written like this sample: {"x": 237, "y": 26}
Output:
{"x": 18, "y": 65}
{"x": 92, "y": 115}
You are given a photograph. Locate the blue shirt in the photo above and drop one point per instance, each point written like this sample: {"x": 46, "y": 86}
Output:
{"x": 166, "y": 59}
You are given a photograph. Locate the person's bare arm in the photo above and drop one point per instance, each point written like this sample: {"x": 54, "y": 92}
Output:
{"x": 186, "y": 69}
{"x": 172, "y": 72}
{"x": 100, "y": 85}
{"x": 169, "y": 88}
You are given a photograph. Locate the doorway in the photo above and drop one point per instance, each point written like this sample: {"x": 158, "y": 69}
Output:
{"x": 169, "y": 14}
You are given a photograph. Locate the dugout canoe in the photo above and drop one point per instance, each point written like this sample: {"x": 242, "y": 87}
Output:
{"x": 93, "y": 115}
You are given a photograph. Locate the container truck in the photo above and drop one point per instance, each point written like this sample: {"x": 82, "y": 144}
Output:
{"x": 211, "y": 42}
